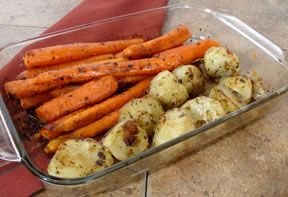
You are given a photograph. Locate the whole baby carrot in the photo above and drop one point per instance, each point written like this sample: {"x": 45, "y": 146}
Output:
{"x": 93, "y": 113}
{"x": 172, "y": 39}
{"x": 189, "y": 53}
{"x": 70, "y": 52}
{"x": 34, "y": 101}
{"x": 87, "y": 94}
{"x": 88, "y": 131}
{"x": 33, "y": 72}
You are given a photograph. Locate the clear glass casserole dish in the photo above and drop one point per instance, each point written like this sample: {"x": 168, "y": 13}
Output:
{"x": 256, "y": 53}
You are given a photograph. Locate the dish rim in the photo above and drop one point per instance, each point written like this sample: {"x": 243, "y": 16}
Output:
{"x": 23, "y": 156}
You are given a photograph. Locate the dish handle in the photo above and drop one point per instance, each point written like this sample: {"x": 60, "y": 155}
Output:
{"x": 8, "y": 146}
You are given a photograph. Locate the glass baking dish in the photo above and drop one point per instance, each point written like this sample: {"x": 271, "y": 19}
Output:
{"x": 256, "y": 53}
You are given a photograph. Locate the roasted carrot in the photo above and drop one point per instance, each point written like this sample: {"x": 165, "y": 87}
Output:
{"x": 148, "y": 66}
{"x": 70, "y": 52}
{"x": 61, "y": 91}
{"x": 34, "y": 101}
{"x": 119, "y": 55}
{"x": 29, "y": 87}
{"x": 87, "y": 94}
{"x": 91, "y": 114}
{"x": 172, "y": 39}
{"x": 49, "y": 134}
{"x": 122, "y": 81}
{"x": 49, "y": 80}
{"x": 29, "y": 73}
{"x": 189, "y": 53}
{"x": 90, "y": 130}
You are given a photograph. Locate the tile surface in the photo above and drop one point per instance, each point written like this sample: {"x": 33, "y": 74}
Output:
{"x": 25, "y": 19}
{"x": 36, "y": 13}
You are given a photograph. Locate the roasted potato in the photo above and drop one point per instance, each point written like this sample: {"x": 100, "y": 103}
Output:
{"x": 144, "y": 111}
{"x": 258, "y": 89}
{"x": 167, "y": 90}
{"x": 126, "y": 139}
{"x": 225, "y": 96}
{"x": 172, "y": 124}
{"x": 220, "y": 63}
{"x": 209, "y": 109}
{"x": 191, "y": 77}
{"x": 78, "y": 158}
{"x": 240, "y": 86}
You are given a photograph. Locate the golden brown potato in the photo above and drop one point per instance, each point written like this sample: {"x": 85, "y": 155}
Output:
{"x": 144, "y": 111}
{"x": 240, "y": 86}
{"x": 191, "y": 77}
{"x": 167, "y": 90}
{"x": 78, "y": 158}
{"x": 126, "y": 139}
{"x": 221, "y": 63}
{"x": 172, "y": 124}
{"x": 228, "y": 100}
{"x": 209, "y": 109}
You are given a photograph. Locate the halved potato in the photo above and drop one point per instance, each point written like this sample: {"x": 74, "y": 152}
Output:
{"x": 126, "y": 139}
{"x": 209, "y": 109}
{"x": 258, "y": 89}
{"x": 240, "y": 86}
{"x": 144, "y": 111}
{"x": 78, "y": 158}
{"x": 220, "y": 62}
{"x": 167, "y": 90}
{"x": 191, "y": 77}
{"x": 228, "y": 100}
{"x": 172, "y": 124}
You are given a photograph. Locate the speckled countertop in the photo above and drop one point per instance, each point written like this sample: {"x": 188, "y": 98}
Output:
{"x": 251, "y": 161}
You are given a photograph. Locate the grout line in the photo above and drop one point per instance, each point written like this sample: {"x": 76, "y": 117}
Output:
{"x": 7, "y": 25}
{"x": 146, "y": 183}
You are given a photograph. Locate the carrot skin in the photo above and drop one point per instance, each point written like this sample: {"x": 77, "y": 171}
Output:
{"x": 30, "y": 73}
{"x": 119, "y": 55}
{"x": 67, "y": 53}
{"x": 29, "y": 87}
{"x": 89, "y": 93}
{"x": 91, "y": 114}
{"x": 88, "y": 131}
{"x": 123, "y": 81}
{"x": 49, "y": 135}
{"x": 191, "y": 52}
{"x": 149, "y": 66}
{"x": 34, "y": 101}
{"x": 166, "y": 60}
{"x": 169, "y": 40}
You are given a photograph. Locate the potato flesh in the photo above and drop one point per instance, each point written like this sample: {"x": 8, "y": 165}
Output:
{"x": 225, "y": 97}
{"x": 258, "y": 89}
{"x": 191, "y": 77}
{"x": 145, "y": 111}
{"x": 220, "y": 63}
{"x": 78, "y": 158}
{"x": 172, "y": 124}
{"x": 167, "y": 90}
{"x": 115, "y": 143}
{"x": 209, "y": 109}
{"x": 240, "y": 86}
